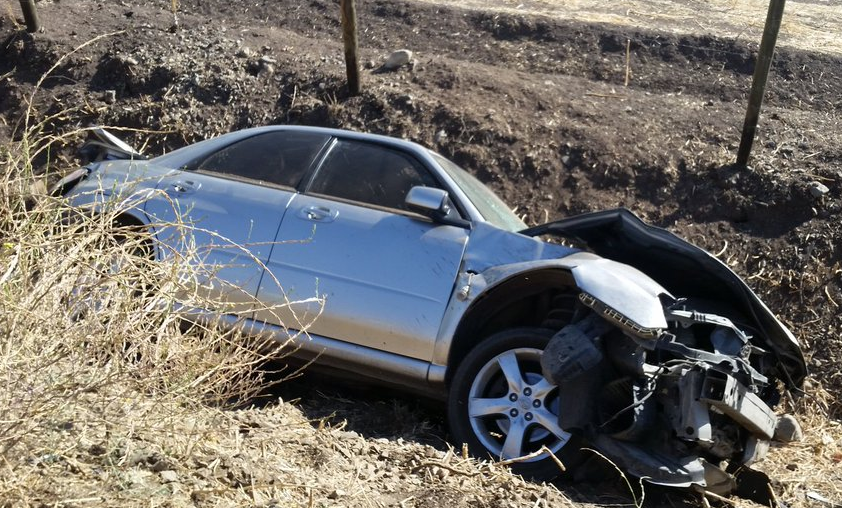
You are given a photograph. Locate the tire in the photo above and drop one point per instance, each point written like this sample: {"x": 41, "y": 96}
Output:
{"x": 518, "y": 398}
{"x": 124, "y": 248}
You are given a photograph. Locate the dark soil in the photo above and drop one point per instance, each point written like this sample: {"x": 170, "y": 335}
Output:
{"x": 536, "y": 108}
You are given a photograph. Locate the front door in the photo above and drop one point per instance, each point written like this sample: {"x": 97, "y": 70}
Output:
{"x": 384, "y": 273}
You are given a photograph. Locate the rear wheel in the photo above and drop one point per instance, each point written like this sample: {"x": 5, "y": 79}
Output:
{"x": 115, "y": 270}
{"x": 501, "y": 405}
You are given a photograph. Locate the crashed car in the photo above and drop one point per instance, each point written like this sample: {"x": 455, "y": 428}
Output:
{"x": 596, "y": 328}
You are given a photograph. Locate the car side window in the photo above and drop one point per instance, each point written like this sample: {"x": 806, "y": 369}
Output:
{"x": 370, "y": 174}
{"x": 280, "y": 157}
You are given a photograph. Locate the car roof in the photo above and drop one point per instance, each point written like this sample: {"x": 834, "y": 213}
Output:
{"x": 183, "y": 156}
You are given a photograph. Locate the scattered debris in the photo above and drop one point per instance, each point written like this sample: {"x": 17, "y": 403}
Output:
{"x": 788, "y": 429}
{"x": 129, "y": 60}
{"x": 397, "y": 59}
{"x": 818, "y": 189}
{"x": 169, "y": 476}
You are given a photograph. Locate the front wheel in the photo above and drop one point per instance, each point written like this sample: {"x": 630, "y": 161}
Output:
{"x": 501, "y": 405}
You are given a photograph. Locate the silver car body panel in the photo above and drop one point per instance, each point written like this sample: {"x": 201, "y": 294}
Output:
{"x": 230, "y": 247}
{"x": 230, "y": 231}
{"x": 621, "y": 288}
{"x": 494, "y": 256}
{"x": 392, "y": 369}
{"x": 119, "y": 184}
{"x": 385, "y": 277}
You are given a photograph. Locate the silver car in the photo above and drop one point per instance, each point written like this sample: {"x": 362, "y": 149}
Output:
{"x": 637, "y": 342}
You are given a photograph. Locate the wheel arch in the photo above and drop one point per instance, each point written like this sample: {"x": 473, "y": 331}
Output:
{"x": 137, "y": 222}
{"x": 128, "y": 219}
{"x": 523, "y": 299}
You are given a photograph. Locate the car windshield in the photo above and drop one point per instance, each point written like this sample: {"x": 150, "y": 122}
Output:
{"x": 491, "y": 207}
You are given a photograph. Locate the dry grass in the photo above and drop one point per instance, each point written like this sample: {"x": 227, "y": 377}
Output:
{"x": 10, "y": 14}
{"x": 812, "y": 467}
{"x": 95, "y": 353}
{"x": 93, "y": 342}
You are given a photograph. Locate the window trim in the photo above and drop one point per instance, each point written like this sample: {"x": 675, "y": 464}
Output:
{"x": 306, "y": 183}
{"x": 371, "y": 206}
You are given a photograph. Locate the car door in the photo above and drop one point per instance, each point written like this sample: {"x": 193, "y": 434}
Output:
{"x": 230, "y": 206}
{"x": 385, "y": 274}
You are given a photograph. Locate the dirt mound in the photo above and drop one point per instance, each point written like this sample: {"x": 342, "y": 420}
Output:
{"x": 536, "y": 108}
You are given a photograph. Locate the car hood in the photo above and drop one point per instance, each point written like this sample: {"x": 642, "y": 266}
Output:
{"x": 680, "y": 267}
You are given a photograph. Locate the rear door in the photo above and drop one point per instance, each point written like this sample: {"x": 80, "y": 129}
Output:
{"x": 385, "y": 274}
{"x": 229, "y": 208}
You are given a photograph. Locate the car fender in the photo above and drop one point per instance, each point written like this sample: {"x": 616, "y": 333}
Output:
{"x": 620, "y": 288}
{"x": 617, "y": 286}
{"x": 102, "y": 203}
{"x": 115, "y": 201}
{"x": 112, "y": 188}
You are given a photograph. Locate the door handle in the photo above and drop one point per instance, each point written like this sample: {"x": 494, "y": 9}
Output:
{"x": 318, "y": 214}
{"x": 185, "y": 186}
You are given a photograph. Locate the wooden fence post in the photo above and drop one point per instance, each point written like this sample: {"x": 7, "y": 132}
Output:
{"x": 30, "y": 15}
{"x": 761, "y": 73}
{"x": 349, "y": 35}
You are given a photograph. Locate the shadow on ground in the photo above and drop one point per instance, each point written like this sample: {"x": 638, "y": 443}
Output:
{"x": 382, "y": 413}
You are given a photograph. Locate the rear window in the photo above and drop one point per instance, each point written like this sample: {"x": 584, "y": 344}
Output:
{"x": 280, "y": 158}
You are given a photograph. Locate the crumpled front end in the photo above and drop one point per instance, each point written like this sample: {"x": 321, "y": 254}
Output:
{"x": 689, "y": 404}
{"x": 684, "y": 270}
{"x": 685, "y": 402}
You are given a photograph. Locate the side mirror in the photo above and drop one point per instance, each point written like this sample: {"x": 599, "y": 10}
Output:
{"x": 434, "y": 204}
{"x": 428, "y": 201}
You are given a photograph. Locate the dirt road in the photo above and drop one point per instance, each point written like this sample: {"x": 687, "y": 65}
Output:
{"x": 812, "y": 25}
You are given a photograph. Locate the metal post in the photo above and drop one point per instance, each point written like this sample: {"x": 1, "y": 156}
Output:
{"x": 349, "y": 35}
{"x": 761, "y": 73}
{"x": 30, "y": 15}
